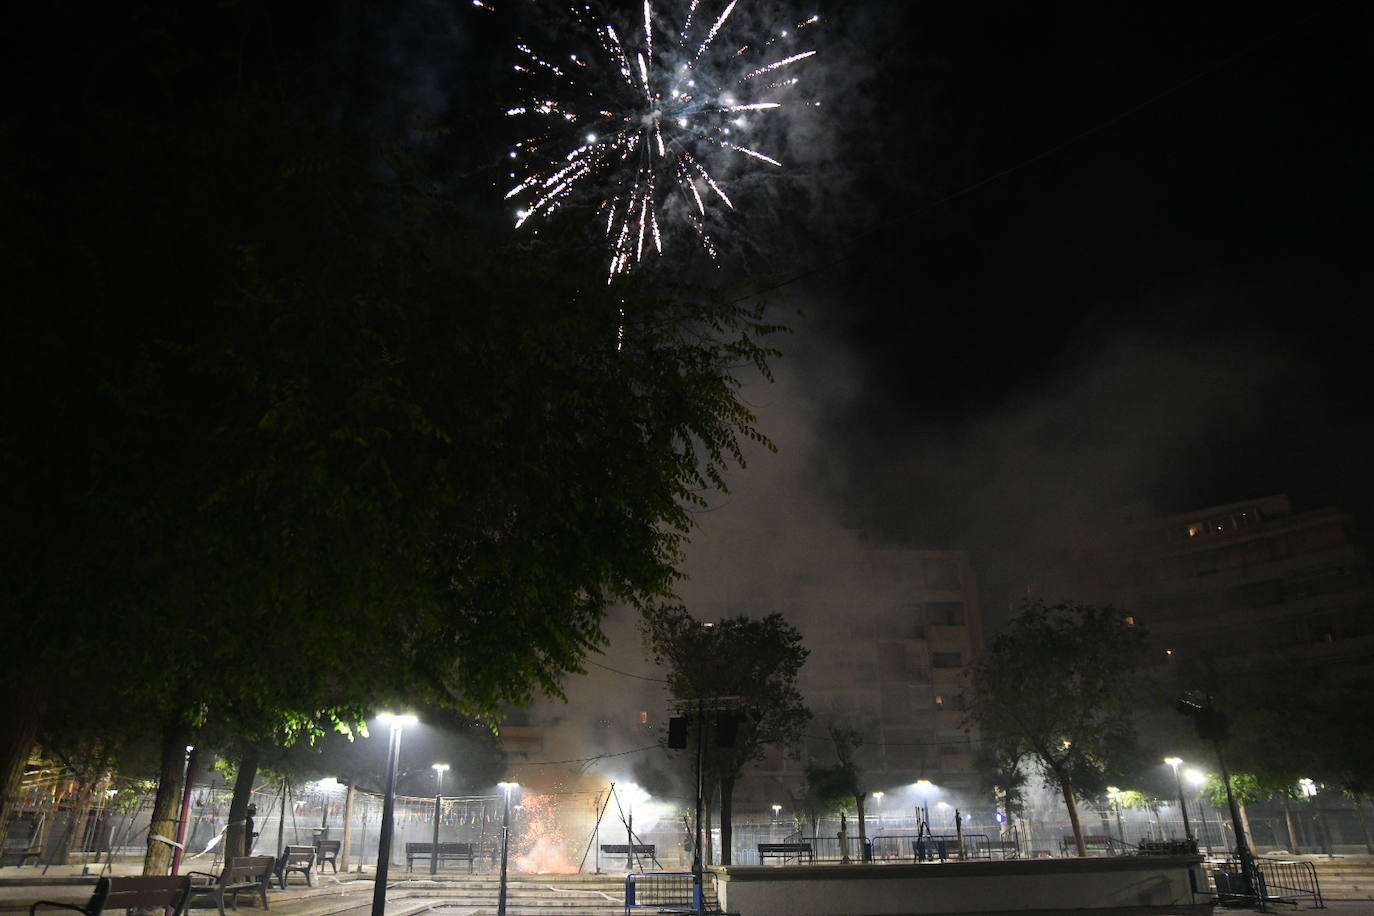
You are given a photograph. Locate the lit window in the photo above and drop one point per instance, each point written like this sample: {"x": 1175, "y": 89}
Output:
{"x": 1129, "y": 621}
{"x": 939, "y": 702}
{"x": 643, "y": 717}
{"x": 1194, "y": 530}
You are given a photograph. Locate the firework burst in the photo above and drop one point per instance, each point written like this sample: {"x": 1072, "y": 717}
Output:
{"x": 645, "y": 120}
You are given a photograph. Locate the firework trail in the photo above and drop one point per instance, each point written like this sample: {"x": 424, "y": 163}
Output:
{"x": 641, "y": 123}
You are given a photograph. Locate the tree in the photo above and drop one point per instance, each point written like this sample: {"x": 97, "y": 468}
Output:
{"x": 748, "y": 669}
{"x": 834, "y": 787}
{"x": 300, "y": 436}
{"x": 1058, "y": 686}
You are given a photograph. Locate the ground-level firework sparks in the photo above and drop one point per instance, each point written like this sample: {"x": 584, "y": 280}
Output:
{"x": 640, "y": 120}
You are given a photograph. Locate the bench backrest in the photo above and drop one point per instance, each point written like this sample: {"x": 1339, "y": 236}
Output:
{"x": 445, "y": 849}
{"x": 328, "y": 847}
{"x": 245, "y": 869}
{"x": 140, "y": 891}
{"x": 784, "y": 847}
{"x": 297, "y": 855}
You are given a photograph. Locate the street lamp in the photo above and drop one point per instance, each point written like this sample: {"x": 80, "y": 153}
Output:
{"x": 505, "y": 845}
{"x": 439, "y": 770}
{"x": 1174, "y": 762}
{"x": 878, "y": 803}
{"x": 388, "y": 808}
{"x": 1115, "y": 795}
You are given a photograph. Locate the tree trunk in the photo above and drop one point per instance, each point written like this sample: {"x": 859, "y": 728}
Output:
{"x": 1360, "y": 803}
{"x": 708, "y": 851}
{"x": 236, "y": 843}
{"x": 1245, "y": 825}
{"x": 347, "y": 840}
{"x": 1066, "y": 786}
{"x": 80, "y": 812}
{"x": 19, "y": 724}
{"x": 167, "y": 803}
{"x": 1292, "y": 833}
{"x": 727, "y": 827}
{"x": 863, "y": 828}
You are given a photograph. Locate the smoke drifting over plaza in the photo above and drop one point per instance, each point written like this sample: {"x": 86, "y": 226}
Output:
{"x": 1038, "y": 270}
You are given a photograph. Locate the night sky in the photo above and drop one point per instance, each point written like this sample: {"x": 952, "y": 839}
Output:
{"x": 1043, "y": 261}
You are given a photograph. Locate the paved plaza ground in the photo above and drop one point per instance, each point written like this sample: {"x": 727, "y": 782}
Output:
{"x": 1347, "y": 883}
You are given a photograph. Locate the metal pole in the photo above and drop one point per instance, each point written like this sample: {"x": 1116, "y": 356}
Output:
{"x": 388, "y": 824}
{"x": 185, "y": 811}
{"x": 434, "y": 854}
{"x": 505, "y": 848}
{"x": 696, "y": 851}
{"x": 1247, "y": 861}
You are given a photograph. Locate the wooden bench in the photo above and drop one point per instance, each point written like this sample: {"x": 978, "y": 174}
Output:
{"x": 786, "y": 851}
{"x": 242, "y": 874}
{"x": 1091, "y": 843}
{"x": 299, "y": 859}
{"x": 327, "y": 853}
{"x": 447, "y": 852}
{"x": 625, "y": 849}
{"x": 131, "y": 893}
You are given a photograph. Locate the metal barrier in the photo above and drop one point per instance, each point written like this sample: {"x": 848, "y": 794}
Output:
{"x": 662, "y": 892}
{"x": 1280, "y": 881}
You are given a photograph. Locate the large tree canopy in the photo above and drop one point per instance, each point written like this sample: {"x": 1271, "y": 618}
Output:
{"x": 741, "y": 674}
{"x": 295, "y": 434}
{"x": 1059, "y": 686}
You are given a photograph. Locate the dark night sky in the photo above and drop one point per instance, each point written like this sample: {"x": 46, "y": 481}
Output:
{"x": 1096, "y": 255}
{"x": 1054, "y": 258}
{"x": 1183, "y": 227}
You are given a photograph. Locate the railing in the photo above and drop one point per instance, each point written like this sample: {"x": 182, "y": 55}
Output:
{"x": 1280, "y": 881}
{"x": 907, "y": 847}
{"x": 662, "y": 892}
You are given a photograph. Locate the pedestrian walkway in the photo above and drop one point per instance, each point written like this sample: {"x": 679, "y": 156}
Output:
{"x": 351, "y": 894}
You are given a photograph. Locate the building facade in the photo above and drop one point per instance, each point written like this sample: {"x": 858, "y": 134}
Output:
{"x": 1233, "y": 582}
{"x": 891, "y": 632}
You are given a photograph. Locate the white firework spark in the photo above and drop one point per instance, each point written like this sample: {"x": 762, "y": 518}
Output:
{"x": 647, "y": 118}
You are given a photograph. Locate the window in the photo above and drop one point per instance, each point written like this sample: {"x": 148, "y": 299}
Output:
{"x": 945, "y": 660}
{"x": 945, "y": 613}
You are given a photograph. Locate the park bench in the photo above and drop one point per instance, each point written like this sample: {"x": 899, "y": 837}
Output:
{"x": 241, "y": 874}
{"x": 1091, "y": 843}
{"x": 327, "y": 853}
{"x": 625, "y": 849}
{"x": 785, "y": 851}
{"x": 299, "y": 859}
{"x": 132, "y": 892}
{"x": 447, "y": 852}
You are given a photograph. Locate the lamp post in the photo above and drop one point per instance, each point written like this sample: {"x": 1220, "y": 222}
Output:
{"x": 439, "y": 770}
{"x": 1115, "y": 795}
{"x": 878, "y": 804}
{"x": 505, "y": 845}
{"x": 388, "y": 808}
{"x": 1174, "y": 762}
